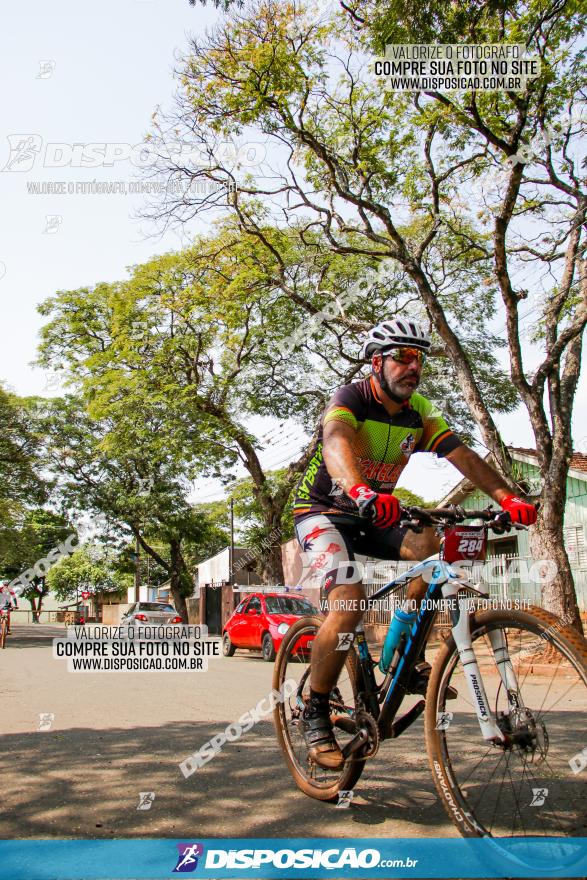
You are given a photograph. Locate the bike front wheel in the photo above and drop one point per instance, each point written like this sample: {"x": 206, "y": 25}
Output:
{"x": 533, "y": 785}
{"x": 293, "y": 662}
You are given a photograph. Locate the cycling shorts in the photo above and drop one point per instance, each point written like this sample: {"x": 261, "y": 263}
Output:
{"x": 328, "y": 541}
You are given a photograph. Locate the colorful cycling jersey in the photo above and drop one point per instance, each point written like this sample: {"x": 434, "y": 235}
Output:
{"x": 383, "y": 445}
{"x": 6, "y": 599}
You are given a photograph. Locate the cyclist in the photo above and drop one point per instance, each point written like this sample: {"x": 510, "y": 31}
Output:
{"x": 368, "y": 432}
{"x": 7, "y": 599}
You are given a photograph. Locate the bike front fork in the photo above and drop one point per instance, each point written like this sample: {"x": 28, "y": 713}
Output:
{"x": 461, "y": 631}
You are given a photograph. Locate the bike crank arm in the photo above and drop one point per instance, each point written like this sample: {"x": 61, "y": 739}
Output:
{"x": 358, "y": 741}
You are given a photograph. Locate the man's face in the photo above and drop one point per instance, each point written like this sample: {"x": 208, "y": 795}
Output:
{"x": 402, "y": 379}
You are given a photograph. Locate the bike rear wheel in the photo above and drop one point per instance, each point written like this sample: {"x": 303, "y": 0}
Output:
{"x": 529, "y": 788}
{"x": 293, "y": 662}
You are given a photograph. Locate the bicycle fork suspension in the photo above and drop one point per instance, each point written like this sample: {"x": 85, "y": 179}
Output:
{"x": 461, "y": 632}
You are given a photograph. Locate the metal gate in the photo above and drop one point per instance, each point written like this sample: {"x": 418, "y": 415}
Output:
{"x": 214, "y": 610}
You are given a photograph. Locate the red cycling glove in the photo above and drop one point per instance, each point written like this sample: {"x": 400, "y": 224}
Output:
{"x": 387, "y": 507}
{"x": 520, "y": 511}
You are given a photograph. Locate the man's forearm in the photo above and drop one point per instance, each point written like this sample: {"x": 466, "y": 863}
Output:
{"x": 341, "y": 460}
{"x": 479, "y": 472}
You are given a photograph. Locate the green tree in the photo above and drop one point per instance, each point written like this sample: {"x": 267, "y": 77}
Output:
{"x": 140, "y": 494}
{"x": 465, "y": 194}
{"x": 169, "y": 362}
{"x": 32, "y": 551}
{"x": 21, "y": 485}
{"x": 86, "y": 570}
{"x": 194, "y": 342}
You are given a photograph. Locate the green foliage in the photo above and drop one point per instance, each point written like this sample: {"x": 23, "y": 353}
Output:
{"x": 85, "y": 570}
{"x": 253, "y": 528}
{"x": 120, "y": 474}
{"x": 40, "y": 531}
{"x": 20, "y": 482}
{"x": 410, "y": 499}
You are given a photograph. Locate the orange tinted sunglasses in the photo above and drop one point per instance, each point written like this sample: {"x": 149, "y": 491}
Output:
{"x": 407, "y": 355}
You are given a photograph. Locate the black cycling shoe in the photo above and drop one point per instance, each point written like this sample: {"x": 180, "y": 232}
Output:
{"x": 419, "y": 682}
{"x": 323, "y": 748}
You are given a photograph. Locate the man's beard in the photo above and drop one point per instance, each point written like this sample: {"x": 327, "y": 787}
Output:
{"x": 401, "y": 391}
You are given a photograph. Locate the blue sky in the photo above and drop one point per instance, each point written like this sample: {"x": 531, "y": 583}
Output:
{"x": 94, "y": 73}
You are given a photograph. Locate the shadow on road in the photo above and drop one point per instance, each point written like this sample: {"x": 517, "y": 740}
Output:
{"x": 25, "y": 635}
{"x": 85, "y": 783}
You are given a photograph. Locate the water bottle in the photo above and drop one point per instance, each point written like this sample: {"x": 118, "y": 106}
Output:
{"x": 402, "y": 622}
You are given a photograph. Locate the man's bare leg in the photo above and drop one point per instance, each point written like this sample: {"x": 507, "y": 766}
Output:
{"x": 347, "y": 604}
{"x": 416, "y": 547}
{"x": 346, "y": 610}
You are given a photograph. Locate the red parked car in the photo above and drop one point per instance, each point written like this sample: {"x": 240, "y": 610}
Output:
{"x": 261, "y": 620}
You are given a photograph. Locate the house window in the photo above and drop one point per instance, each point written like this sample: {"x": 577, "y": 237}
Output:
{"x": 576, "y": 546}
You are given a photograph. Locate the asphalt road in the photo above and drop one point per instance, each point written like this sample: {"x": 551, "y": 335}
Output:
{"x": 115, "y": 735}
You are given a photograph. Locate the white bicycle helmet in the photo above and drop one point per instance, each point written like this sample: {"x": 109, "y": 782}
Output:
{"x": 395, "y": 332}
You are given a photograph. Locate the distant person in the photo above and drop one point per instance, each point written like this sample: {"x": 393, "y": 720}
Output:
{"x": 8, "y": 600}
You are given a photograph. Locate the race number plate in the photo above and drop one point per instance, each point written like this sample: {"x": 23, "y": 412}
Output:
{"x": 464, "y": 542}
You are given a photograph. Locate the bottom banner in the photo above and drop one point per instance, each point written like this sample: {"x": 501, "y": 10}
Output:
{"x": 302, "y": 858}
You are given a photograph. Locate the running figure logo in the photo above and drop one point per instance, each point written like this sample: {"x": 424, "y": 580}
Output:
{"x": 344, "y": 799}
{"x": 187, "y": 860}
{"x": 146, "y": 799}
{"x": 539, "y": 796}
{"x": 23, "y": 151}
{"x": 345, "y": 641}
{"x": 443, "y": 720}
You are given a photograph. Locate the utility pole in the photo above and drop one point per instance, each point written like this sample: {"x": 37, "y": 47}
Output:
{"x": 137, "y": 570}
{"x": 231, "y": 552}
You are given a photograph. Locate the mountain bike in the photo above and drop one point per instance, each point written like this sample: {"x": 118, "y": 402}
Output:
{"x": 4, "y": 626}
{"x": 501, "y": 749}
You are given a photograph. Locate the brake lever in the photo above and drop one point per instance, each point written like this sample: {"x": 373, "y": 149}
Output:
{"x": 502, "y": 523}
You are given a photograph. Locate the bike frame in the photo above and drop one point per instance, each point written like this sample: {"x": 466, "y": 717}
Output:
{"x": 444, "y": 583}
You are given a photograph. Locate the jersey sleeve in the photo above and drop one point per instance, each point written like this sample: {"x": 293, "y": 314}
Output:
{"x": 436, "y": 436}
{"x": 346, "y": 405}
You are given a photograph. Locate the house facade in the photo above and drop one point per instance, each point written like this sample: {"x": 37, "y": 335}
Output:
{"x": 515, "y": 546}
{"x": 217, "y": 586}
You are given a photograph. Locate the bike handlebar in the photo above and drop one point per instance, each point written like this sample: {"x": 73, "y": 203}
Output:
{"x": 418, "y": 517}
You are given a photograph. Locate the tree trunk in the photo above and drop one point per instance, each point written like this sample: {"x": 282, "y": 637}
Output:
{"x": 270, "y": 549}
{"x": 177, "y": 574}
{"x": 547, "y": 542}
{"x": 272, "y": 565}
